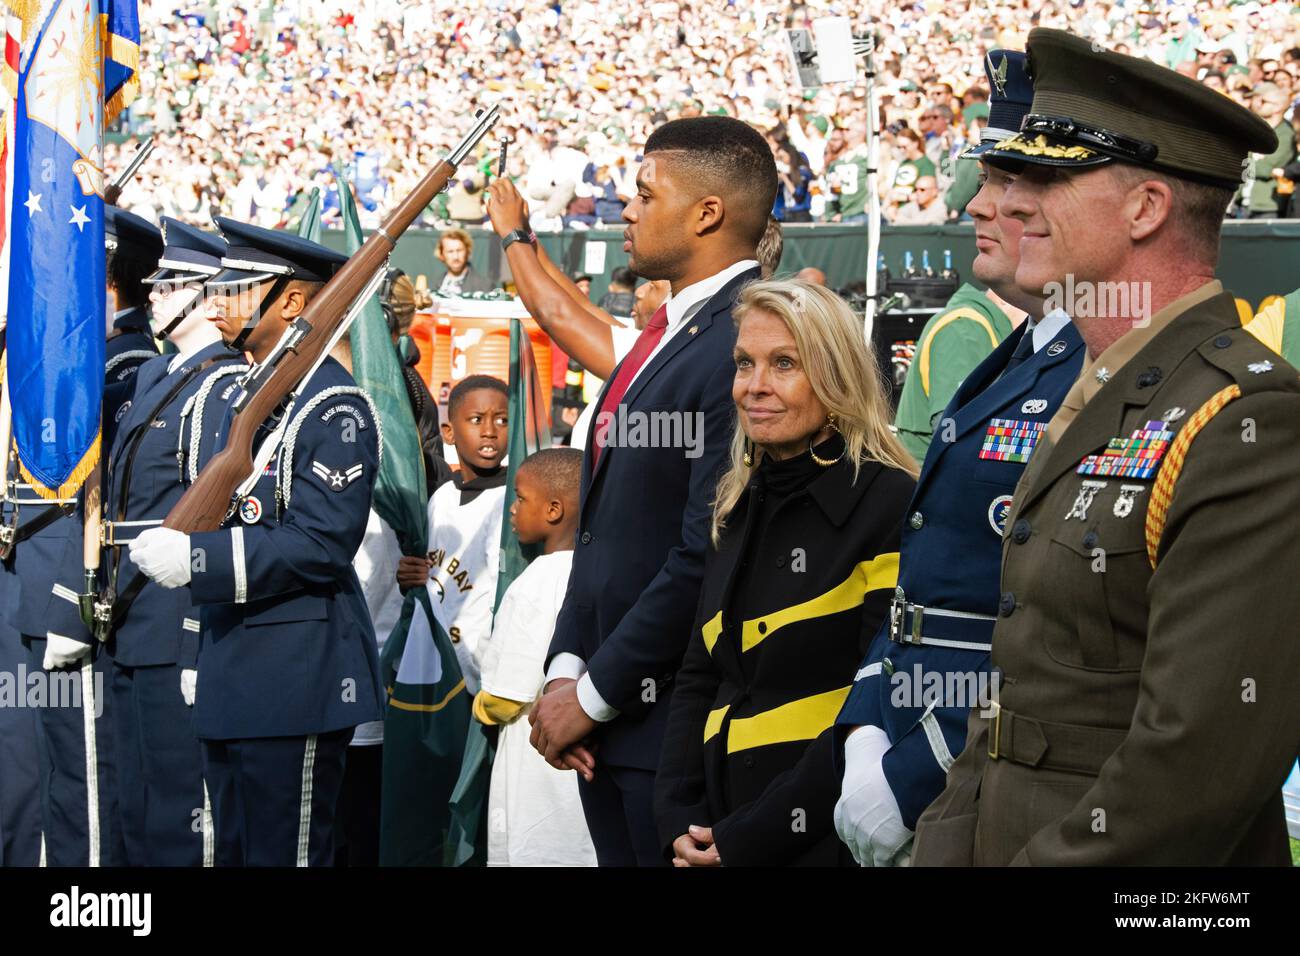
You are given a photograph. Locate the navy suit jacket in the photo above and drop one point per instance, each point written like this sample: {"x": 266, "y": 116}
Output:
{"x": 644, "y": 528}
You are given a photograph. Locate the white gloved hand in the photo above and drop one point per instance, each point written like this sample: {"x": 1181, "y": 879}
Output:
{"x": 189, "y": 685}
{"x": 62, "y": 651}
{"x": 163, "y": 555}
{"x": 867, "y": 817}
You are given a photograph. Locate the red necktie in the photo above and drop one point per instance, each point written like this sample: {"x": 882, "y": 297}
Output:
{"x": 645, "y": 344}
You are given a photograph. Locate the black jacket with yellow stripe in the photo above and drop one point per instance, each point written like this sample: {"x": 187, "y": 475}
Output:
{"x": 791, "y": 598}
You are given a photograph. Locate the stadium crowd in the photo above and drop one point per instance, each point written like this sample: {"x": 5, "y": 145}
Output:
{"x": 251, "y": 103}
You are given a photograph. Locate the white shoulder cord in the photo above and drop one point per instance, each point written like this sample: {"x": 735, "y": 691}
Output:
{"x": 197, "y": 403}
{"x": 284, "y": 476}
{"x": 117, "y": 360}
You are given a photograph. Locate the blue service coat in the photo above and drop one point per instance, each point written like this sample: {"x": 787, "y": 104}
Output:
{"x": 286, "y": 646}
{"x": 950, "y": 560}
{"x": 132, "y": 343}
{"x": 149, "y": 467}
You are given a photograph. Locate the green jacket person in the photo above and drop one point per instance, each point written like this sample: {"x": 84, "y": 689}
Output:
{"x": 951, "y": 345}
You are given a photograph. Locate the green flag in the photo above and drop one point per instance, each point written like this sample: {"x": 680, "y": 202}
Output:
{"x": 425, "y": 729}
{"x": 309, "y": 223}
{"x": 399, "y": 487}
{"x": 529, "y": 431}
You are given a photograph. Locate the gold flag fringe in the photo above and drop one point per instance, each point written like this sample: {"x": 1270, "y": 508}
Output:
{"x": 74, "y": 481}
{"x": 120, "y": 50}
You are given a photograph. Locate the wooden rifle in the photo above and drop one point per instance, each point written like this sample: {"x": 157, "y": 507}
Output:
{"x": 305, "y": 344}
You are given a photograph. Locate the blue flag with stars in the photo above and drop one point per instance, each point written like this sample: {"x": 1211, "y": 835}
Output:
{"x": 76, "y": 71}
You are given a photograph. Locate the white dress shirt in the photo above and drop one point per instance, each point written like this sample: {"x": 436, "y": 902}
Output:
{"x": 682, "y": 307}
{"x": 1048, "y": 327}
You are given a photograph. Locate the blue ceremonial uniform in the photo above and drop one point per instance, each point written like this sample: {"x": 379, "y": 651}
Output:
{"x": 130, "y": 344}
{"x": 20, "y": 804}
{"x": 950, "y": 557}
{"x": 156, "y": 631}
{"x": 79, "y": 815}
{"x": 287, "y": 660}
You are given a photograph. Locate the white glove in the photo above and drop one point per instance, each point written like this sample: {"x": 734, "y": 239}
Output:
{"x": 189, "y": 685}
{"x": 867, "y": 817}
{"x": 163, "y": 555}
{"x": 62, "y": 651}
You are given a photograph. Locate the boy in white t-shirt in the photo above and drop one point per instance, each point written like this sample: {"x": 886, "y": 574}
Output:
{"x": 465, "y": 515}
{"x": 534, "y": 812}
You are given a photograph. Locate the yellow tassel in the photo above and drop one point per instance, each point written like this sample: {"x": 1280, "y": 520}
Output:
{"x": 74, "y": 481}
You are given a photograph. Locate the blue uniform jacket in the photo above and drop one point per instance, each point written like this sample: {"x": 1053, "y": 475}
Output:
{"x": 286, "y": 645}
{"x": 161, "y": 626}
{"x": 131, "y": 345}
{"x": 950, "y": 560}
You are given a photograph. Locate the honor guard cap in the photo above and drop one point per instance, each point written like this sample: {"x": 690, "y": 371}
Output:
{"x": 1093, "y": 107}
{"x": 126, "y": 230}
{"x": 188, "y": 255}
{"x": 257, "y": 254}
{"x": 1011, "y": 93}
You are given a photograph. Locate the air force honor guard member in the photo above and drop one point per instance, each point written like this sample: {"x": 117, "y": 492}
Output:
{"x": 155, "y": 632}
{"x": 287, "y": 664}
{"x": 1146, "y": 631}
{"x": 134, "y": 245}
{"x": 899, "y": 741}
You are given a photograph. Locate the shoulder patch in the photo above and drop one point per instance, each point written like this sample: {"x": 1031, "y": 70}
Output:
{"x": 122, "y": 410}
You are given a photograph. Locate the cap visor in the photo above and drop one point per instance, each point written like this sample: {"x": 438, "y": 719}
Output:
{"x": 172, "y": 275}
{"x": 1041, "y": 150}
{"x": 230, "y": 277}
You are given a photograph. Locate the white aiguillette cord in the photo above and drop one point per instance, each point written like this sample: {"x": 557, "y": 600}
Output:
{"x": 269, "y": 447}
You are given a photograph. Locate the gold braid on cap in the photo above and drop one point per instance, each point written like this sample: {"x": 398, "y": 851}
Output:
{"x": 1039, "y": 146}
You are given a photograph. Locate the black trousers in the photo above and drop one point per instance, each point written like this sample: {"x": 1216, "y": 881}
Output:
{"x": 274, "y": 798}
{"x": 619, "y": 807}
{"x": 20, "y": 789}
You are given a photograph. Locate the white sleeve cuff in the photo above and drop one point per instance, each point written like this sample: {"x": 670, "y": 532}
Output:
{"x": 590, "y": 700}
{"x": 565, "y": 666}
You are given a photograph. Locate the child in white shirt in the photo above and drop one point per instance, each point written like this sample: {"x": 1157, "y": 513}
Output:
{"x": 534, "y": 813}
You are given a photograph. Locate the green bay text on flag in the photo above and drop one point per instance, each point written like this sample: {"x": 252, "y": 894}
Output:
{"x": 71, "y": 79}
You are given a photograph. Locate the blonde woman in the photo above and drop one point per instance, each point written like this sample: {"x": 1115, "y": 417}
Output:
{"x": 803, "y": 563}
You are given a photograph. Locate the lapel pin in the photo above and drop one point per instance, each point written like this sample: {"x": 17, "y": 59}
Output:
{"x": 1057, "y": 347}
{"x": 1259, "y": 368}
{"x": 1103, "y": 375}
{"x": 1173, "y": 414}
{"x": 692, "y": 330}
{"x": 1034, "y": 406}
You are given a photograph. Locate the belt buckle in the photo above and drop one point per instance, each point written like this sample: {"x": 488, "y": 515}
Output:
{"x": 899, "y": 607}
{"x": 995, "y": 732}
{"x": 8, "y": 531}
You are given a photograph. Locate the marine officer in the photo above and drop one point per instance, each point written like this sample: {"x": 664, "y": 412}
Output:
{"x": 1146, "y": 633}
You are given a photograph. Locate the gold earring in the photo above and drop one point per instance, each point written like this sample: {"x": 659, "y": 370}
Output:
{"x": 749, "y": 453}
{"x": 827, "y": 462}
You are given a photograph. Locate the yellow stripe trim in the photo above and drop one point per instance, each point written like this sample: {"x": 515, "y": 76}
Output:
{"x": 425, "y": 708}
{"x": 711, "y": 630}
{"x": 882, "y": 572}
{"x": 939, "y": 325}
{"x": 798, "y": 720}
{"x": 1269, "y": 323}
{"x": 714, "y": 723}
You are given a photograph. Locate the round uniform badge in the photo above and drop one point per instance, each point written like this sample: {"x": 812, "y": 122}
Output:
{"x": 250, "y": 511}
{"x": 1057, "y": 347}
{"x": 122, "y": 411}
{"x": 1035, "y": 406}
{"x": 998, "y": 511}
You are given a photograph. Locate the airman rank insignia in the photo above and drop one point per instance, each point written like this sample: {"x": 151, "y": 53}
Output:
{"x": 250, "y": 510}
{"x": 1137, "y": 456}
{"x": 1009, "y": 440}
{"x": 336, "y": 480}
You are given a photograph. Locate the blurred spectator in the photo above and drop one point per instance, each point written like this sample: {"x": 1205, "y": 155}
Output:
{"x": 454, "y": 248}
{"x": 619, "y": 297}
{"x": 1267, "y": 193}
{"x": 924, "y": 208}
{"x": 770, "y": 247}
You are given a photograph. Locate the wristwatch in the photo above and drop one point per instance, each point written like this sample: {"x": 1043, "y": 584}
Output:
{"x": 519, "y": 235}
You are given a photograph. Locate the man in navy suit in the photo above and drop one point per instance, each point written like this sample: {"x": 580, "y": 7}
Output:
{"x": 703, "y": 194}
{"x": 905, "y": 719}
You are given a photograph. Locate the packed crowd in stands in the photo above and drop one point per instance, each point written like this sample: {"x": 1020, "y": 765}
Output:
{"x": 251, "y": 104}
